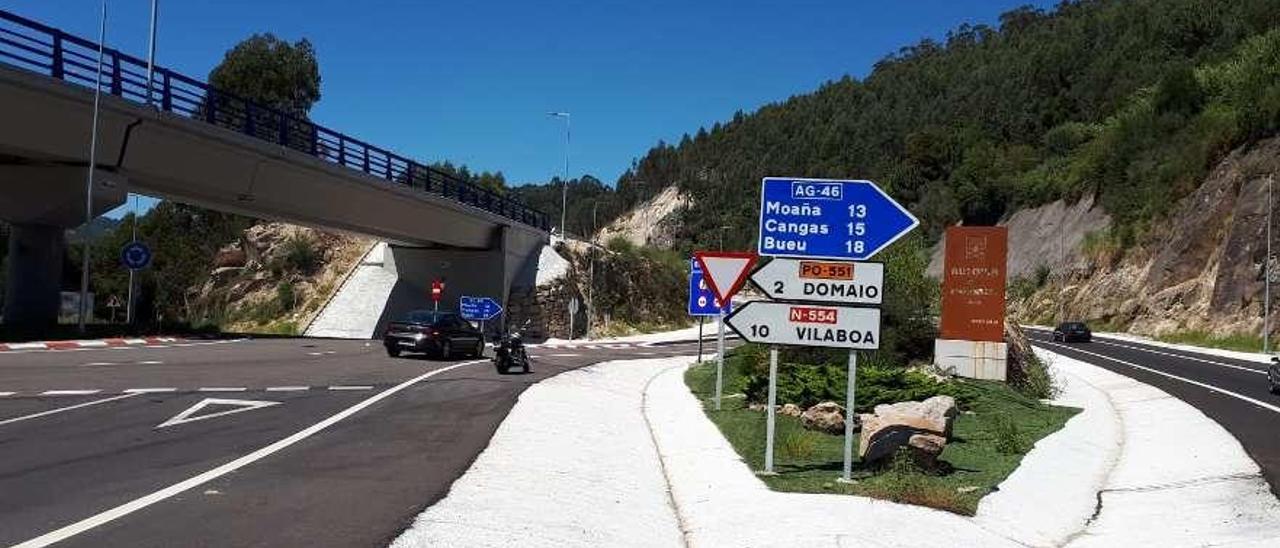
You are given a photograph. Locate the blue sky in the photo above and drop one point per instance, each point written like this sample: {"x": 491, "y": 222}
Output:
{"x": 471, "y": 81}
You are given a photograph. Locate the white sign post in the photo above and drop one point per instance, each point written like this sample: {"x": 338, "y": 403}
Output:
{"x": 726, "y": 271}
{"x": 573, "y": 311}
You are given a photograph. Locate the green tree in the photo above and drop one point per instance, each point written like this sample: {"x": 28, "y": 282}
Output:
{"x": 271, "y": 72}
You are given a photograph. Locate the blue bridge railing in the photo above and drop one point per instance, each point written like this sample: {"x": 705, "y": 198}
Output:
{"x": 36, "y": 47}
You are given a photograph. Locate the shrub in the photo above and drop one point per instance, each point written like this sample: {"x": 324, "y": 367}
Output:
{"x": 1008, "y": 437}
{"x": 821, "y": 378}
{"x": 794, "y": 443}
{"x": 286, "y": 296}
{"x": 1038, "y": 381}
{"x": 300, "y": 255}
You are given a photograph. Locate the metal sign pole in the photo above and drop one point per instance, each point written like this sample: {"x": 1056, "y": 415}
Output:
{"x": 701, "y": 319}
{"x": 848, "y": 417}
{"x": 773, "y": 401}
{"x": 720, "y": 360}
{"x": 1266, "y": 299}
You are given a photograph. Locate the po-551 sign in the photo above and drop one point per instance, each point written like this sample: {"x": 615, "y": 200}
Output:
{"x": 825, "y": 281}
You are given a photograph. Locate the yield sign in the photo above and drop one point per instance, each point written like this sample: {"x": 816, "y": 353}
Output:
{"x": 237, "y": 406}
{"x": 726, "y": 271}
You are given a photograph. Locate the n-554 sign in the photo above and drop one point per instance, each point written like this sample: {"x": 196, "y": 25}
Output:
{"x": 808, "y": 325}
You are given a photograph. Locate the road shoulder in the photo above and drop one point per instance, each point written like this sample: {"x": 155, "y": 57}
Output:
{"x": 572, "y": 465}
{"x": 1179, "y": 477}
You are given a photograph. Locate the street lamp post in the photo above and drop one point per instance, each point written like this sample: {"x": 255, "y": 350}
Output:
{"x": 564, "y": 185}
{"x": 151, "y": 51}
{"x": 88, "y": 185}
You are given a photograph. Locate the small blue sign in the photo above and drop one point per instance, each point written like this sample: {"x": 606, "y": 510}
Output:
{"x": 702, "y": 300}
{"x": 478, "y": 308}
{"x": 135, "y": 255}
{"x": 828, "y": 219}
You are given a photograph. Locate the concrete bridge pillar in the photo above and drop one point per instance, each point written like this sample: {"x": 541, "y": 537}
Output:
{"x": 32, "y": 291}
{"x": 41, "y": 202}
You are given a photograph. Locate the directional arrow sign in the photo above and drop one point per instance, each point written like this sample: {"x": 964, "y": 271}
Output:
{"x": 478, "y": 308}
{"x": 828, "y": 219}
{"x": 808, "y": 325}
{"x": 825, "y": 281}
{"x": 237, "y": 406}
{"x": 726, "y": 271}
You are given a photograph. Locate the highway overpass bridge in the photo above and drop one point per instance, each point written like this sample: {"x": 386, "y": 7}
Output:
{"x": 182, "y": 140}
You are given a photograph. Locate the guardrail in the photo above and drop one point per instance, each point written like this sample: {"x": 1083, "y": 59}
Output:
{"x": 35, "y": 47}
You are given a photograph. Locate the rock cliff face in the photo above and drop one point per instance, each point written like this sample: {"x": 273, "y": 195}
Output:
{"x": 276, "y": 276}
{"x": 650, "y": 223}
{"x": 1200, "y": 269}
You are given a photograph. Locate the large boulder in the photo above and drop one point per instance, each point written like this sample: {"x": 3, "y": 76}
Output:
{"x": 923, "y": 427}
{"x": 827, "y": 416}
{"x": 791, "y": 409}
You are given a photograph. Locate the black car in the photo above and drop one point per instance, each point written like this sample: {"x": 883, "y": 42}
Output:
{"x": 1273, "y": 375}
{"x": 1072, "y": 332}
{"x": 442, "y": 334}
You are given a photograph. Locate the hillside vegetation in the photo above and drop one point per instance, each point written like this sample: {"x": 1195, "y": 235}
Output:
{"x": 1132, "y": 100}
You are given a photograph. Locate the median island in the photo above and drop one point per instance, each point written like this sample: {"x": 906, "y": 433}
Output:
{"x": 993, "y": 426}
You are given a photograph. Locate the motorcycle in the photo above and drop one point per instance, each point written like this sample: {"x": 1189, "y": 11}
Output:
{"x": 509, "y": 353}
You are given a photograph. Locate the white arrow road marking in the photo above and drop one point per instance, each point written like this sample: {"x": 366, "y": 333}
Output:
{"x": 132, "y": 506}
{"x": 240, "y": 407}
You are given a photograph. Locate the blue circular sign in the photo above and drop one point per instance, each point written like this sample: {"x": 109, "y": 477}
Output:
{"x": 135, "y": 255}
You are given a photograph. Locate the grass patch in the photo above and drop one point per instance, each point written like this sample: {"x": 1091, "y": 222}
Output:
{"x": 1244, "y": 342}
{"x": 998, "y": 427}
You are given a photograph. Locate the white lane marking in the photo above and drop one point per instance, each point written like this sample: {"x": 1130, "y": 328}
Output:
{"x": 151, "y": 362}
{"x": 148, "y": 390}
{"x": 315, "y": 353}
{"x": 69, "y": 392}
{"x": 351, "y": 387}
{"x": 221, "y": 389}
{"x": 62, "y": 409}
{"x": 127, "y": 508}
{"x": 239, "y": 406}
{"x": 28, "y": 348}
{"x": 327, "y": 352}
{"x": 1210, "y": 387}
{"x": 287, "y": 388}
{"x": 91, "y": 364}
{"x": 1172, "y": 355}
{"x": 4, "y": 394}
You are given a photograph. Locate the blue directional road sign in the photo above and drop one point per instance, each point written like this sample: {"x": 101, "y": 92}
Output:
{"x": 478, "y": 308}
{"x": 828, "y": 219}
{"x": 135, "y": 255}
{"x": 702, "y": 300}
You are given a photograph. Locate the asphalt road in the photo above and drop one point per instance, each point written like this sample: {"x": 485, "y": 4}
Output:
{"x": 1232, "y": 392}
{"x": 312, "y": 442}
